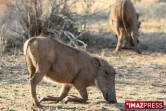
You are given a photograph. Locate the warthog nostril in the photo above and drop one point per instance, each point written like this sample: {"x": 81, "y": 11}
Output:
{"x": 106, "y": 97}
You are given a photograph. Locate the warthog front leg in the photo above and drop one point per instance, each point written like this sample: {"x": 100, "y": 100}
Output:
{"x": 83, "y": 93}
{"x": 135, "y": 42}
{"x": 125, "y": 41}
{"x": 64, "y": 92}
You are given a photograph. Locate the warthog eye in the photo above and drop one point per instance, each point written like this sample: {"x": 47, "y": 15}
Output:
{"x": 106, "y": 72}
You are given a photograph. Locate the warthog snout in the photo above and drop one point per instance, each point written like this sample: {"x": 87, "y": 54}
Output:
{"x": 110, "y": 100}
{"x": 105, "y": 81}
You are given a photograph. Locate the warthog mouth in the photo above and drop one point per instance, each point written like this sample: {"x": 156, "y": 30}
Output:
{"x": 105, "y": 95}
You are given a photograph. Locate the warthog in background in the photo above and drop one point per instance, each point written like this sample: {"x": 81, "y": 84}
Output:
{"x": 124, "y": 22}
{"x": 70, "y": 66}
{"x": 128, "y": 39}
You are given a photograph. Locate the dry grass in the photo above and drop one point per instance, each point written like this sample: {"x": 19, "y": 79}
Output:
{"x": 139, "y": 77}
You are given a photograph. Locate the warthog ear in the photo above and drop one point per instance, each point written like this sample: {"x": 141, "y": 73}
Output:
{"x": 96, "y": 62}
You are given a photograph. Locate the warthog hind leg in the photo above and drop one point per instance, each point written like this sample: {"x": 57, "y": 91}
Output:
{"x": 119, "y": 42}
{"x": 35, "y": 79}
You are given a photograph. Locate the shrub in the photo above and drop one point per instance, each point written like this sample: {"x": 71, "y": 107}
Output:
{"x": 42, "y": 17}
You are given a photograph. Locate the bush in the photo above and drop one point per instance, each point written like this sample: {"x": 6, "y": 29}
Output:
{"x": 28, "y": 18}
{"x": 56, "y": 18}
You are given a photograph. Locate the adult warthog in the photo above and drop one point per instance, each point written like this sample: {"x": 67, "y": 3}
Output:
{"x": 124, "y": 22}
{"x": 64, "y": 64}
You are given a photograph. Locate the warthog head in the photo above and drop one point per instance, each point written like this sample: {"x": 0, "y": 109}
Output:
{"x": 105, "y": 81}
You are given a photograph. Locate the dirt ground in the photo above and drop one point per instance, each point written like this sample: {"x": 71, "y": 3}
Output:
{"x": 139, "y": 77}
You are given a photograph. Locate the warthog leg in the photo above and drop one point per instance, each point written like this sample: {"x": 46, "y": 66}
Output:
{"x": 125, "y": 41}
{"x": 33, "y": 83}
{"x": 119, "y": 41}
{"x": 35, "y": 79}
{"x": 64, "y": 92}
{"x": 31, "y": 69}
{"x": 135, "y": 42}
{"x": 83, "y": 92}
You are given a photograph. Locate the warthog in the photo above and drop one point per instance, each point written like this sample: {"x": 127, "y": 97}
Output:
{"x": 129, "y": 39}
{"x": 124, "y": 22}
{"x": 64, "y": 64}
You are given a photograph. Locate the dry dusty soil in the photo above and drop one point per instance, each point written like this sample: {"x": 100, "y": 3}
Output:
{"x": 139, "y": 77}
